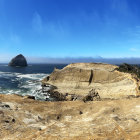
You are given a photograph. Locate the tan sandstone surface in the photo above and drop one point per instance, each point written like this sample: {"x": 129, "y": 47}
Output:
{"x": 80, "y": 78}
{"x": 26, "y": 119}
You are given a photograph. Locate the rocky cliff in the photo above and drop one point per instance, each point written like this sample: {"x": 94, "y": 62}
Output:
{"x": 18, "y": 61}
{"x": 22, "y": 118}
{"x": 81, "y": 78}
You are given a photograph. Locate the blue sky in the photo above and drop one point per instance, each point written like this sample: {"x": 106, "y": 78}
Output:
{"x": 69, "y": 28}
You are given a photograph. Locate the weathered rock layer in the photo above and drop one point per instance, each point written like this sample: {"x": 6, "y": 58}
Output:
{"x": 22, "y": 118}
{"x": 80, "y": 78}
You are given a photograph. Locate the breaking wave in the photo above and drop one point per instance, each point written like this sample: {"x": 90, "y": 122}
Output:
{"x": 22, "y": 84}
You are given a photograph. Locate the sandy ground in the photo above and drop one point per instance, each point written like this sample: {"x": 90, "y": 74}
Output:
{"x": 26, "y": 119}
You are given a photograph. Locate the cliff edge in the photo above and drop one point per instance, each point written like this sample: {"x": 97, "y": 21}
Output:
{"x": 22, "y": 118}
{"x": 81, "y": 78}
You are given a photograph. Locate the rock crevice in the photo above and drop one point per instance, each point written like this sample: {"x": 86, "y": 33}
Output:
{"x": 81, "y": 78}
{"x": 91, "y": 76}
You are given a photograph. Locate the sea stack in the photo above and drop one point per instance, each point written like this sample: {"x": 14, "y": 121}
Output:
{"x": 18, "y": 61}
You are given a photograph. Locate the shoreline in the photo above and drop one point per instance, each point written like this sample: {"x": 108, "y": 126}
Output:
{"x": 73, "y": 116}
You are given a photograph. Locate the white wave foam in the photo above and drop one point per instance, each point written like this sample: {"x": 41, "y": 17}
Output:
{"x": 28, "y": 84}
{"x": 4, "y": 65}
{"x": 38, "y": 76}
{"x": 8, "y": 74}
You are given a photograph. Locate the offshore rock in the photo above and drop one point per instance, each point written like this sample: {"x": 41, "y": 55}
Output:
{"x": 80, "y": 78}
{"x": 18, "y": 61}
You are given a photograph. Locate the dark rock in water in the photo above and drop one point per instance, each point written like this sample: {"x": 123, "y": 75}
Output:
{"x": 18, "y": 61}
{"x": 31, "y": 97}
{"x": 56, "y": 96}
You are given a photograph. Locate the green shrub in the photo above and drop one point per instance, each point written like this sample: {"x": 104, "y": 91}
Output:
{"x": 134, "y": 69}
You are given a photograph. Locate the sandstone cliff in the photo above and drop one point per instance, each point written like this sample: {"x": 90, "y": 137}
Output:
{"x": 80, "y": 78}
{"x": 22, "y": 118}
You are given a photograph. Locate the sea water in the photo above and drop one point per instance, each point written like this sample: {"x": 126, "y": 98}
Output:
{"x": 25, "y": 80}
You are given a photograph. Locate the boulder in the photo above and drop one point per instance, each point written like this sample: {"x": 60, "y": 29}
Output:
{"x": 56, "y": 96}
{"x": 18, "y": 61}
{"x": 92, "y": 96}
{"x": 81, "y": 78}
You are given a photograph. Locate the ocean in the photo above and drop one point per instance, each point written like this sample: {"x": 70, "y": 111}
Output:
{"x": 25, "y": 80}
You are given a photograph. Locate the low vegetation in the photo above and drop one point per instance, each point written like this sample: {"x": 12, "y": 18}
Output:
{"x": 133, "y": 69}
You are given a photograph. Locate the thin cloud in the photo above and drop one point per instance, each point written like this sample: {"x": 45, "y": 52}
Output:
{"x": 5, "y": 58}
{"x": 134, "y": 49}
{"x": 37, "y": 22}
{"x": 15, "y": 38}
{"x": 2, "y": 7}
{"x": 133, "y": 36}
{"x": 121, "y": 6}
{"x": 48, "y": 27}
{"x": 138, "y": 27}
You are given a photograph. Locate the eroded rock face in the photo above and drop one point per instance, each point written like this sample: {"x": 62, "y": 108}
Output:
{"x": 81, "y": 78}
{"x": 18, "y": 61}
{"x": 26, "y": 119}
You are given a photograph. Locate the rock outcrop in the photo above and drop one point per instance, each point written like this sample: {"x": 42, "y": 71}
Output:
{"x": 26, "y": 119}
{"x": 18, "y": 61}
{"x": 81, "y": 78}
